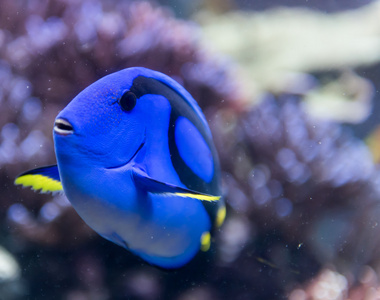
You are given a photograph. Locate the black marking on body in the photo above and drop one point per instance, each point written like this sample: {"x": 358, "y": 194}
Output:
{"x": 181, "y": 107}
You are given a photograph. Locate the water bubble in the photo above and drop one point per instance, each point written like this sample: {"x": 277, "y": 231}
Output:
{"x": 32, "y": 109}
{"x": 283, "y": 207}
{"x": 44, "y": 34}
{"x": 19, "y": 214}
{"x": 275, "y": 188}
{"x": 32, "y": 143}
{"x": 49, "y": 211}
{"x": 18, "y": 51}
{"x": 20, "y": 90}
{"x": 90, "y": 15}
{"x": 257, "y": 178}
{"x": 10, "y": 131}
{"x": 261, "y": 195}
{"x": 286, "y": 158}
{"x": 299, "y": 173}
{"x": 8, "y": 151}
{"x": 236, "y": 232}
{"x": 238, "y": 200}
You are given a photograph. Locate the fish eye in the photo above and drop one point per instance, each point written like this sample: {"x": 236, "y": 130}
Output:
{"x": 128, "y": 101}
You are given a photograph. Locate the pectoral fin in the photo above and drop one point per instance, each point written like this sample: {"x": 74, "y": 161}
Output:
{"x": 154, "y": 186}
{"x": 46, "y": 179}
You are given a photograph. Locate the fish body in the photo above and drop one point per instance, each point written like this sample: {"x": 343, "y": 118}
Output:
{"x": 135, "y": 158}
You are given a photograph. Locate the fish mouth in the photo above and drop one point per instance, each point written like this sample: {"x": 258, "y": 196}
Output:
{"x": 63, "y": 127}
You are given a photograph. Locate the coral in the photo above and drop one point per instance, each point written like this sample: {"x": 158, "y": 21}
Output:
{"x": 48, "y": 53}
{"x": 304, "y": 191}
{"x": 301, "y": 177}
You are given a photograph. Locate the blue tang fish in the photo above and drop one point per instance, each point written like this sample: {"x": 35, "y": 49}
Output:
{"x": 135, "y": 158}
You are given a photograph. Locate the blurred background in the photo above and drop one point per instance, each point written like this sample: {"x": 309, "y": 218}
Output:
{"x": 290, "y": 90}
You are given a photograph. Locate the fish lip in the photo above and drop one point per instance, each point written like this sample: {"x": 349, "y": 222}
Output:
{"x": 132, "y": 157}
{"x": 63, "y": 127}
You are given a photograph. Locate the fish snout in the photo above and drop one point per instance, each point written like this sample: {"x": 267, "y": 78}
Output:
{"x": 63, "y": 127}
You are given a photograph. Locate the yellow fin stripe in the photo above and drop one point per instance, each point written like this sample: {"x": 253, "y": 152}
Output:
{"x": 220, "y": 216}
{"x": 198, "y": 196}
{"x": 39, "y": 182}
{"x": 205, "y": 241}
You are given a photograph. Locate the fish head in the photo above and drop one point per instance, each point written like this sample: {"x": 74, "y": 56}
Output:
{"x": 104, "y": 125}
